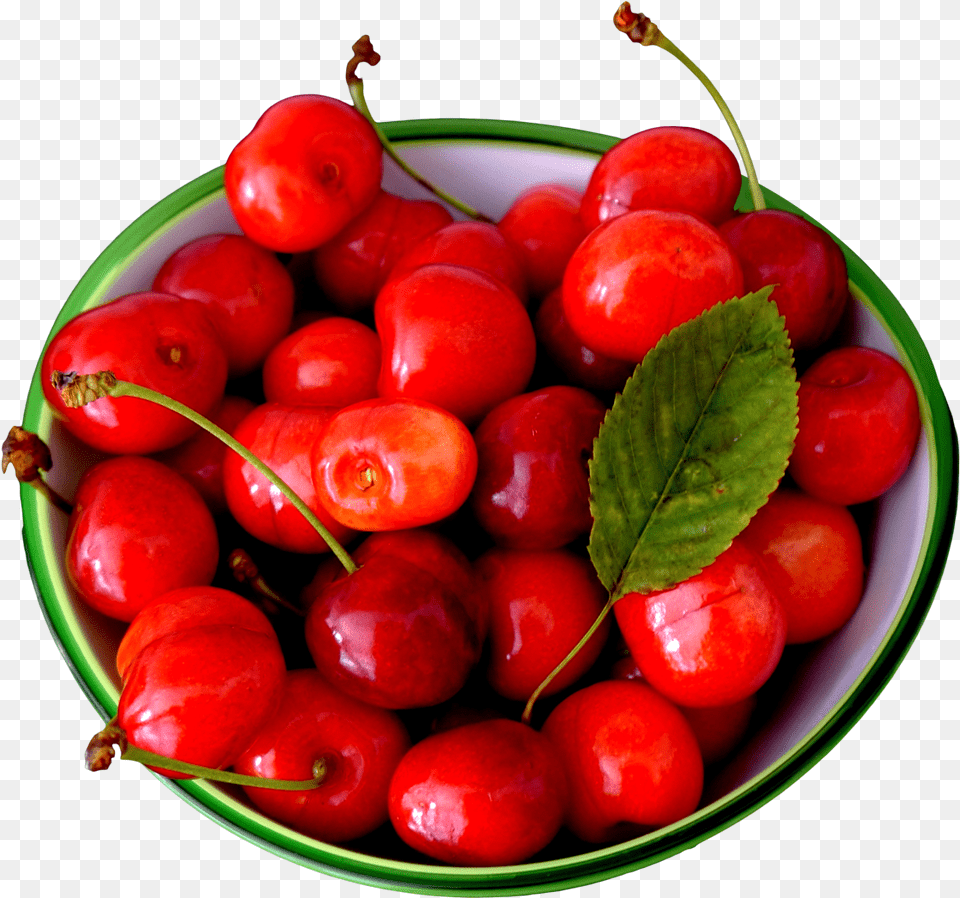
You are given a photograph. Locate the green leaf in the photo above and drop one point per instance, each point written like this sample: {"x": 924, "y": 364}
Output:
{"x": 693, "y": 446}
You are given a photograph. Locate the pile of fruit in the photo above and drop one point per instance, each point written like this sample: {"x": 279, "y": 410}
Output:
{"x": 453, "y": 448}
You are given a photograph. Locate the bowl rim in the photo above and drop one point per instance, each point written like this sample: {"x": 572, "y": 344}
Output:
{"x": 606, "y": 862}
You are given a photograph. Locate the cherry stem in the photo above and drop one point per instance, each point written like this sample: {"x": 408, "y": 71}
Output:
{"x": 30, "y": 456}
{"x": 601, "y": 617}
{"x": 78, "y": 390}
{"x": 100, "y": 753}
{"x": 642, "y": 31}
{"x": 245, "y": 570}
{"x": 363, "y": 52}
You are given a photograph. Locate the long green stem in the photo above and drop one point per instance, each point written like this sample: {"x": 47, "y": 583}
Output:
{"x": 644, "y": 32}
{"x": 601, "y": 617}
{"x": 364, "y": 52}
{"x": 79, "y": 389}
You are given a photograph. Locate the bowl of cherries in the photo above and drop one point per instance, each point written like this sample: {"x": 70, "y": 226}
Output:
{"x": 479, "y": 506}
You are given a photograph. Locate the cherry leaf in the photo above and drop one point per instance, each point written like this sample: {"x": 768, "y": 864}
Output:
{"x": 693, "y": 446}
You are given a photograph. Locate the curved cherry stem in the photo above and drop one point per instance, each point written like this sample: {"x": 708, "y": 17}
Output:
{"x": 30, "y": 457}
{"x": 601, "y": 617}
{"x": 245, "y": 570}
{"x": 100, "y": 753}
{"x": 77, "y": 390}
{"x": 642, "y": 31}
{"x": 363, "y": 52}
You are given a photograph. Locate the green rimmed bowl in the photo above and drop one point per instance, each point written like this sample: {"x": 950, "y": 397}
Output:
{"x": 824, "y": 691}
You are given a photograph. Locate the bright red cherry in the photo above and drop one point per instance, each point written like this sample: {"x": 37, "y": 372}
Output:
{"x": 454, "y": 337}
{"x": 805, "y": 263}
{"x": 333, "y": 361}
{"x": 544, "y": 227}
{"x": 360, "y": 746}
{"x": 814, "y": 555}
{"x": 541, "y": 604}
{"x": 484, "y": 794}
{"x": 280, "y": 436}
{"x": 859, "y": 425}
{"x": 670, "y": 167}
{"x": 137, "y": 530}
{"x": 579, "y": 364}
{"x": 245, "y": 288}
{"x": 153, "y": 339}
{"x": 352, "y": 267}
{"x": 631, "y": 759}
{"x": 391, "y": 634}
{"x": 639, "y": 275}
{"x": 310, "y": 164}
{"x": 477, "y": 245}
{"x": 391, "y": 464}
{"x": 713, "y": 639}
{"x": 532, "y": 489}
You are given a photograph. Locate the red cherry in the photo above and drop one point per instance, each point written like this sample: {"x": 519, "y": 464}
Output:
{"x": 391, "y": 464}
{"x": 777, "y": 247}
{"x": 859, "y": 425}
{"x": 153, "y": 339}
{"x": 670, "y": 167}
{"x": 543, "y": 225}
{"x": 814, "y": 555}
{"x": 200, "y": 693}
{"x": 332, "y": 361}
{"x": 484, "y": 794}
{"x": 453, "y": 337}
{"x": 245, "y": 288}
{"x": 477, "y": 245}
{"x": 713, "y": 639}
{"x": 639, "y": 275}
{"x": 631, "y": 759}
{"x": 532, "y": 489}
{"x": 137, "y": 530}
{"x": 310, "y": 164}
{"x": 360, "y": 746}
{"x": 579, "y": 364}
{"x": 280, "y": 436}
{"x": 391, "y": 634}
{"x": 353, "y": 266}
{"x": 200, "y": 458}
{"x": 541, "y": 603}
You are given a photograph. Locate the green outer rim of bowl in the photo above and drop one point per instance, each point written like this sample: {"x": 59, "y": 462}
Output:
{"x": 605, "y": 862}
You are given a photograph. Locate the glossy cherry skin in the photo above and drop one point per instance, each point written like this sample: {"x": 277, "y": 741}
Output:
{"x": 713, "y": 639}
{"x": 859, "y": 425}
{"x": 333, "y": 361}
{"x": 580, "y": 365}
{"x": 670, "y": 167}
{"x": 199, "y": 459}
{"x": 353, "y": 266}
{"x": 805, "y": 263}
{"x": 280, "y": 436}
{"x": 814, "y": 555}
{"x": 541, "y": 604}
{"x": 137, "y": 530}
{"x": 199, "y": 693}
{"x": 718, "y": 730}
{"x": 543, "y": 225}
{"x": 454, "y": 337}
{"x": 246, "y": 289}
{"x": 639, "y": 275}
{"x": 631, "y": 759}
{"x": 532, "y": 489}
{"x": 309, "y": 165}
{"x": 484, "y": 794}
{"x": 391, "y": 634}
{"x": 360, "y": 746}
{"x": 477, "y": 245}
{"x": 153, "y": 339}
{"x": 391, "y": 464}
